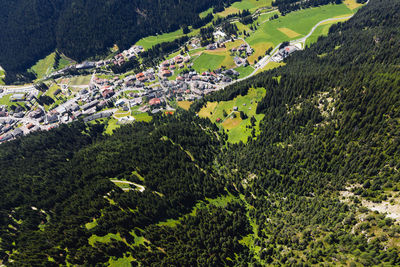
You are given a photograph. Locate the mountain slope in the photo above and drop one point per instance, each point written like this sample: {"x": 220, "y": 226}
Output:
{"x": 295, "y": 195}
{"x": 32, "y": 29}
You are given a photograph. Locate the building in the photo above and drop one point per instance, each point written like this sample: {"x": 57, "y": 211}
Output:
{"x": 17, "y": 97}
{"x": 155, "y": 102}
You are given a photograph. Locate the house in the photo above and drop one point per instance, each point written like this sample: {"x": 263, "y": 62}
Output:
{"x": 155, "y": 102}
{"x": 166, "y": 73}
{"x": 235, "y": 108}
{"x": 3, "y": 113}
{"x": 29, "y": 126}
{"x": 218, "y": 120}
{"x": 172, "y": 67}
{"x": 51, "y": 118}
{"x": 19, "y": 115}
{"x": 90, "y": 105}
{"x": 107, "y": 93}
{"x": 120, "y": 103}
{"x": 139, "y": 75}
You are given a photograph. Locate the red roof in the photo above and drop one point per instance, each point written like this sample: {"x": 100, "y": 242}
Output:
{"x": 154, "y": 101}
{"x": 139, "y": 75}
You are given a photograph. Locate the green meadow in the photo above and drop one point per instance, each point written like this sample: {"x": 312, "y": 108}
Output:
{"x": 236, "y": 128}
{"x": 294, "y": 25}
{"x": 44, "y": 66}
{"x": 252, "y": 5}
{"x": 207, "y": 62}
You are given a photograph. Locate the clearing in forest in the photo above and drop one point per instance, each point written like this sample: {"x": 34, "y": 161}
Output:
{"x": 237, "y": 129}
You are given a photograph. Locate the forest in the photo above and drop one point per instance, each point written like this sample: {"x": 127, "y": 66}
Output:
{"x": 32, "y": 29}
{"x": 174, "y": 192}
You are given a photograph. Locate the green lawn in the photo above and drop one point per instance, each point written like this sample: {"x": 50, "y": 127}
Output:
{"x": 300, "y": 22}
{"x": 207, "y": 62}
{"x": 244, "y": 71}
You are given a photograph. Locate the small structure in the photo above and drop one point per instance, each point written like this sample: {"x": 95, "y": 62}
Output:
{"x": 17, "y": 97}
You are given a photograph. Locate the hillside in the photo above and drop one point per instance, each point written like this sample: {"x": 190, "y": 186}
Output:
{"x": 31, "y": 30}
{"x": 316, "y": 182}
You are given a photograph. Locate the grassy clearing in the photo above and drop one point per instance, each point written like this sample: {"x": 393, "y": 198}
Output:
{"x": 91, "y": 225}
{"x": 228, "y": 11}
{"x": 252, "y": 5}
{"x": 205, "y": 13}
{"x": 142, "y": 117}
{"x": 103, "y": 239}
{"x": 244, "y": 71}
{"x": 300, "y": 22}
{"x": 185, "y": 104}
{"x": 111, "y": 126}
{"x": 44, "y": 66}
{"x": 237, "y": 129}
{"x": 121, "y": 262}
{"x": 150, "y": 41}
{"x": 80, "y": 80}
{"x": 241, "y": 27}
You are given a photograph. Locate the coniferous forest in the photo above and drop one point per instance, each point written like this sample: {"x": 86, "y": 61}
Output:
{"x": 294, "y": 194}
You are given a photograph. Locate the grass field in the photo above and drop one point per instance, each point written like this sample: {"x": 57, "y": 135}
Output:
{"x": 185, "y": 104}
{"x": 300, "y": 22}
{"x": 142, "y": 116}
{"x": 44, "y": 66}
{"x": 149, "y": 42}
{"x": 80, "y": 80}
{"x": 244, "y": 71}
{"x": 5, "y": 100}
{"x": 205, "y": 13}
{"x": 103, "y": 239}
{"x": 213, "y": 59}
{"x": 237, "y": 129}
{"x": 289, "y": 33}
{"x": 252, "y": 5}
{"x": 271, "y": 65}
{"x": 259, "y": 50}
{"x": 207, "y": 62}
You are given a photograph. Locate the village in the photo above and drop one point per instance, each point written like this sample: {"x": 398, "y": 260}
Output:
{"x": 151, "y": 91}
